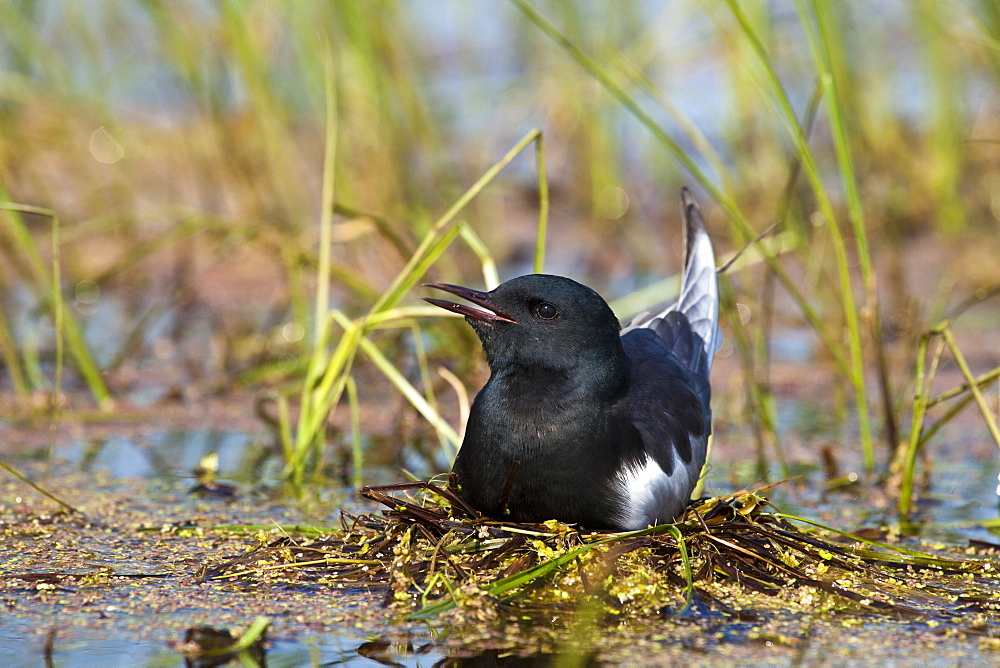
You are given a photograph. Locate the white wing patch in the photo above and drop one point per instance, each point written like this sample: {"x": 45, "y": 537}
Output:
{"x": 651, "y": 496}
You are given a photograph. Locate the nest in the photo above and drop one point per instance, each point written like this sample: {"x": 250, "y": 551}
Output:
{"x": 429, "y": 553}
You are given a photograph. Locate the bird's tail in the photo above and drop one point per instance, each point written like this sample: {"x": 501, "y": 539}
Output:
{"x": 699, "y": 298}
{"x": 690, "y": 326}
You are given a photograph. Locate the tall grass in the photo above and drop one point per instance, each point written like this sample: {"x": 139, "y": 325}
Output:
{"x": 320, "y": 143}
{"x": 850, "y": 361}
{"x": 330, "y": 371}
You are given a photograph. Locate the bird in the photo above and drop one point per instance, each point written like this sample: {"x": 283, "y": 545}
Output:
{"x": 581, "y": 420}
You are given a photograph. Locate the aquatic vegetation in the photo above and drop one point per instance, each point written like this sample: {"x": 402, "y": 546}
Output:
{"x": 819, "y": 136}
{"x": 234, "y": 202}
{"x": 429, "y": 554}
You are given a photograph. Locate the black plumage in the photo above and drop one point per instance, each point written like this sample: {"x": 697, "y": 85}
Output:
{"x": 580, "y": 420}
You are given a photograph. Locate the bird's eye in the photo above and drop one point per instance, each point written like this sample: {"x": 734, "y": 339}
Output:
{"x": 546, "y": 311}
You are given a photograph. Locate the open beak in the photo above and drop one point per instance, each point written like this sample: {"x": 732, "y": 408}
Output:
{"x": 482, "y": 299}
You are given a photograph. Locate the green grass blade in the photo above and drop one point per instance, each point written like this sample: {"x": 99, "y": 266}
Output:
{"x": 73, "y": 335}
{"x": 412, "y": 395}
{"x": 412, "y": 273}
{"x": 326, "y": 209}
{"x": 737, "y": 218}
{"x": 778, "y": 95}
{"x": 327, "y": 377}
{"x": 490, "y": 275}
{"x": 357, "y": 452}
{"x": 921, "y": 558}
{"x": 820, "y": 38}
{"x": 970, "y": 380}
{"x": 688, "y": 572}
{"x": 38, "y": 489}
{"x": 918, "y": 410}
{"x": 619, "y": 93}
{"x": 11, "y": 358}
{"x": 543, "y": 205}
{"x": 917, "y": 438}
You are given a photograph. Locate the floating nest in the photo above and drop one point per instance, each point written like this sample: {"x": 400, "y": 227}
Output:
{"x": 428, "y": 553}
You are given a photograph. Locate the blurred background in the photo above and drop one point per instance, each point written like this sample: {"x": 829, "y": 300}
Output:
{"x": 182, "y": 147}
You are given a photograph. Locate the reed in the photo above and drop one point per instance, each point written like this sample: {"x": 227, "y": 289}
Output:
{"x": 328, "y": 154}
{"x": 850, "y": 362}
{"x": 330, "y": 370}
{"x": 926, "y": 368}
{"x": 49, "y": 292}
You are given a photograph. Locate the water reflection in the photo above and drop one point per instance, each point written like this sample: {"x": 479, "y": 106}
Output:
{"x": 170, "y": 454}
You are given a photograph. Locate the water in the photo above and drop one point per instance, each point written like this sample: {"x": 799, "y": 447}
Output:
{"x": 141, "y": 479}
{"x": 136, "y": 471}
{"x": 140, "y": 476}
{"x": 97, "y": 651}
{"x": 311, "y": 650}
{"x": 170, "y": 454}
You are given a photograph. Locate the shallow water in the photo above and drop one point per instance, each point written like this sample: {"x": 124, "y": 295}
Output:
{"x": 134, "y": 475}
{"x": 125, "y": 481}
{"x": 100, "y": 652}
{"x": 168, "y": 454}
{"x": 135, "y": 470}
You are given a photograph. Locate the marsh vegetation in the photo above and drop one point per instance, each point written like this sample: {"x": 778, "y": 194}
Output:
{"x": 217, "y": 216}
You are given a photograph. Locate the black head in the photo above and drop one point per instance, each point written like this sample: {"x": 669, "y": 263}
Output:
{"x": 540, "y": 320}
